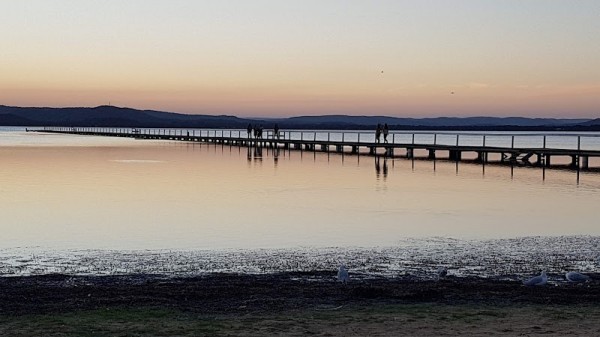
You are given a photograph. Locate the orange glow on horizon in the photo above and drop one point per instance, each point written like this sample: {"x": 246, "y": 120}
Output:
{"x": 306, "y": 58}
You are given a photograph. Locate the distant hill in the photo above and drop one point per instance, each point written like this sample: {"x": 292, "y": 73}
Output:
{"x": 115, "y": 116}
{"x": 435, "y": 122}
{"x": 12, "y": 120}
{"x": 112, "y": 116}
{"x": 593, "y": 122}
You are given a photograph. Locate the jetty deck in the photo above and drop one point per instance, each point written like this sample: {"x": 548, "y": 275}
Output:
{"x": 479, "y": 148}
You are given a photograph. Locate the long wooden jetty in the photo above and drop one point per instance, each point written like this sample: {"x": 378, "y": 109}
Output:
{"x": 480, "y": 148}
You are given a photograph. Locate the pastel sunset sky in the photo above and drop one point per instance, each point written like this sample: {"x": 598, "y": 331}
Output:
{"x": 418, "y": 58}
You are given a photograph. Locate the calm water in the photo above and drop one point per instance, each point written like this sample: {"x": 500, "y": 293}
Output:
{"x": 123, "y": 203}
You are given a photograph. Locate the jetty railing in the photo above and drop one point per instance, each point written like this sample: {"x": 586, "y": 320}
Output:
{"x": 559, "y": 141}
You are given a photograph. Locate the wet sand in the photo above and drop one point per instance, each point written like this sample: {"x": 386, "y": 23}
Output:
{"x": 292, "y": 304}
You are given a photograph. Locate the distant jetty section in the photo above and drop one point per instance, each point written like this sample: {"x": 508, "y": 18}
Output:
{"x": 580, "y": 152}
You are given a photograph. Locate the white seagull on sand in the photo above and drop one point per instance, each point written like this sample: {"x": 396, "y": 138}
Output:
{"x": 342, "y": 275}
{"x": 576, "y": 277}
{"x": 540, "y": 280}
{"x": 441, "y": 272}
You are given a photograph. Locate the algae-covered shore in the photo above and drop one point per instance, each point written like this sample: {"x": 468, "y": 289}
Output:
{"x": 291, "y": 304}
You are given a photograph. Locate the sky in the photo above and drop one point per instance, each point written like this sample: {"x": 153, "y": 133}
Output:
{"x": 259, "y": 58}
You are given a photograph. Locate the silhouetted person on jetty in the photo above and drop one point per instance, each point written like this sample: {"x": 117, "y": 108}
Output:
{"x": 377, "y": 133}
{"x": 249, "y": 130}
{"x": 276, "y": 131}
{"x": 386, "y": 130}
{"x": 256, "y": 130}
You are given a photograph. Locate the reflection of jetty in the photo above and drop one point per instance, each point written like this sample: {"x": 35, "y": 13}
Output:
{"x": 512, "y": 149}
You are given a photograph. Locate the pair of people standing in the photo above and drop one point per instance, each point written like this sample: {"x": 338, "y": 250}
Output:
{"x": 381, "y": 129}
{"x": 257, "y": 129}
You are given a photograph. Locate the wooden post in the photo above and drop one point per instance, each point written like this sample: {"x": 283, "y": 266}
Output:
{"x": 544, "y": 142}
{"x": 585, "y": 163}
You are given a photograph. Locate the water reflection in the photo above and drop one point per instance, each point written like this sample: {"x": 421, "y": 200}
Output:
{"x": 378, "y": 167}
{"x": 382, "y": 162}
{"x": 275, "y": 156}
{"x": 145, "y": 194}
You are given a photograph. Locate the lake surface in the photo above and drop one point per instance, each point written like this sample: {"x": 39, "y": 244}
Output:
{"x": 122, "y": 203}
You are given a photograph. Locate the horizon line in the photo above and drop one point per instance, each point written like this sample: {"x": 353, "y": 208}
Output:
{"x": 288, "y": 117}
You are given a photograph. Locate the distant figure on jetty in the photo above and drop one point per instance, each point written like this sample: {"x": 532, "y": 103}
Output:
{"x": 258, "y": 131}
{"x": 276, "y": 131}
{"x": 386, "y": 130}
{"x": 342, "y": 275}
{"x": 377, "y": 133}
{"x": 249, "y": 130}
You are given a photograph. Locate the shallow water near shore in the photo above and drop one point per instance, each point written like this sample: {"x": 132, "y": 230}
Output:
{"x": 97, "y": 205}
{"x": 501, "y": 259}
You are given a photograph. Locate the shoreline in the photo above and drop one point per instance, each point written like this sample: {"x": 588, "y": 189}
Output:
{"x": 225, "y": 293}
{"x": 292, "y": 304}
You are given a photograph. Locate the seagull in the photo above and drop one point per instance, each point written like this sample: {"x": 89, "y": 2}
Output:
{"x": 441, "y": 272}
{"x": 342, "y": 275}
{"x": 576, "y": 277}
{"x": 537, "y": 280}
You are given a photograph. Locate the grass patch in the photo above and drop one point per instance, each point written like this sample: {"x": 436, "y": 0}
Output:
{"x": 111, "y": 322}
{"x": 371, "y": 319}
